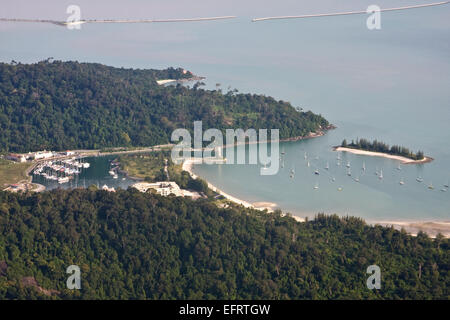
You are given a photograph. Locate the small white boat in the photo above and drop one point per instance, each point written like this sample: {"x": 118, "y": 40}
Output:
{"x": 419, "y": 179}
{"x": 381, "y": 174}
{"x": 111, "y": 172}
{"x": 316, "y": 186}
{"x": 327, "y": 166}
{"x": 317, "y": 172}
{"x": 356, "y": 179}
{"x": 86, "y": 165}
{"x": 305, "y": 156}
{"x": 62, "y": 180}
{"x": 402, "y": 182}
{"x": 333, "y": 179}
{"x": 430, "y": 186}
{"x": 340, "y": 188}
{"x": 308, "y": 164}
{"x": 115, "y": 176}
{"x": 349, "y": 173}
{"x": 348, "y": 164}
{"x": 444, "y": 190}
{"x": 446, "y": 185}
{"x": 364, "y": 166}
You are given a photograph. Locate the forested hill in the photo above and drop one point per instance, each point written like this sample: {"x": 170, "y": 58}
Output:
{"x": 135, "y": 245}
{"x": 69, "y": 105}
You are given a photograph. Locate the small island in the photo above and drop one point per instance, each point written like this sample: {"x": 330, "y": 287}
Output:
{"x": 381, "y": 149}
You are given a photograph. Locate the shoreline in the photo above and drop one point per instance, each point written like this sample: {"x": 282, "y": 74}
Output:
{"x": 187, "y": 166}
{"x": 412, "y": 227}
{"x": 261, "y": 205}
{"x": 402, "y": 159}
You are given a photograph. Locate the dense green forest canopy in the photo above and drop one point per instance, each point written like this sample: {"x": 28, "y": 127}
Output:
{"x": 70, "y": 105}
{"x": 134, "y": 245}
{"x": 378, "y": 146}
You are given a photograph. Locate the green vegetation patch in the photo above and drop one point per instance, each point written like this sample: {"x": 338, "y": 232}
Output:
{"x": 69, "y": 105}
{"x": 132, "y": 245}
{"x": 12, "y": 172}
{"x": 378, "y": 146}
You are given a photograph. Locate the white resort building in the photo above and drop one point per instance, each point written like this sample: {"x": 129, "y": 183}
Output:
{"x": 163, "y": 188}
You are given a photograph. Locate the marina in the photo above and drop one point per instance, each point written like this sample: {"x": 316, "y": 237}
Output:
{"x": 62, "y": 170}
{"x": 100, "y": 171}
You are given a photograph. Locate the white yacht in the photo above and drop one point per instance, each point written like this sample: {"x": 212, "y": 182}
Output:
{"x": 62, "y": 180}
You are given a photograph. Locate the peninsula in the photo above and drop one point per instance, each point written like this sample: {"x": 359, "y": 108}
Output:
{"x": 381, "y": 149}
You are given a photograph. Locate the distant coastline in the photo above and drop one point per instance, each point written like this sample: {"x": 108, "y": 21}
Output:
{"x": 403, "y": 160}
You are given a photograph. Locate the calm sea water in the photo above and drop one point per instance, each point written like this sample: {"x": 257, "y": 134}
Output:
{"x": 391, "y": 84}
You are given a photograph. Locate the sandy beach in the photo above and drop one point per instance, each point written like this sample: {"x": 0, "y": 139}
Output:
{"x": 187, "y": 166}
{"x": 403, "y": 160}
{"x": 432, "y": 228}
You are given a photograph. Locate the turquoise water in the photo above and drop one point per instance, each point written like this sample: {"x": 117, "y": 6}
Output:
{"x": 392, "y": 84}
{"x": 372, "y": 198}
